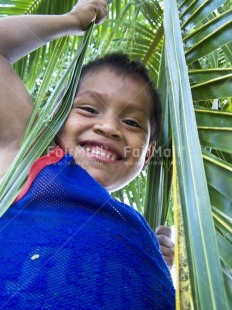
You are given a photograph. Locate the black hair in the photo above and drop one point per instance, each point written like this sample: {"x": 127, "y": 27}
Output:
{"x": 121, "y": 63}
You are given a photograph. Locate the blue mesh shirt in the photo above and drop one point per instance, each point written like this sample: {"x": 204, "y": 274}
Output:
{"x": 67, "y": 244}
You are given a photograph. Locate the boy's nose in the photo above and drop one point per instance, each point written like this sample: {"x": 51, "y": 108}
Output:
{"x": 108, "y": 129}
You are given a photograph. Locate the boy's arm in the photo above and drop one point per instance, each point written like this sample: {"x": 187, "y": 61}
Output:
{"x": 19, "y": 36}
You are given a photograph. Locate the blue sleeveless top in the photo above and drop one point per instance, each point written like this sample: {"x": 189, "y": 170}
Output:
{"x": 67, "y": 244}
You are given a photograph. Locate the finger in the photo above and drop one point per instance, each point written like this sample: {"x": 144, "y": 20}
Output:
{"x": 165, "y": 241}
{"x": 101, "y": 16}
{"x": 168, "y": 252}
{"x": 169, "y": 261}
{"x": 164, "y": 230}
{"x": 168, "y": 255}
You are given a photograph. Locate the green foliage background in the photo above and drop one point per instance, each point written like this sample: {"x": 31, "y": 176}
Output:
{"x": 187, "y": 46}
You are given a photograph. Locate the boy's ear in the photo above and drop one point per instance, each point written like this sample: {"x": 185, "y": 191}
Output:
{"x": 149, "y": 154}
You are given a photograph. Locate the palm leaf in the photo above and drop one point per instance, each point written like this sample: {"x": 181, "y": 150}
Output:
{"x": 214, "y": 129}
{"x": 184, "y": 298}
{"x": 197, "y": 214}
{"x": 202, "y": 248}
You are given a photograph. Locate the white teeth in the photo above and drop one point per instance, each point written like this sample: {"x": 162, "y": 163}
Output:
{"x": 100, "y": 152}
{"x": 113, "y": 157}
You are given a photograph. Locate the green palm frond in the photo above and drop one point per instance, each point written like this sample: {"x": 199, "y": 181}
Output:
{"x": 195, "y": 34}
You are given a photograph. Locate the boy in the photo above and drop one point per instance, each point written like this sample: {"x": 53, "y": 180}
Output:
{"x": 69, "y": 244}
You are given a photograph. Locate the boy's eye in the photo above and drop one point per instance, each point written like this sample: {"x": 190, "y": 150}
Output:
{"x": 89, "y": 109}
{"x": 131, "y": 123}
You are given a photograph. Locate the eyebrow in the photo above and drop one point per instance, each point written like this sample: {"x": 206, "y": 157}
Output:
{"x": 92, "y": 94}
{"x": 132, "y": 106}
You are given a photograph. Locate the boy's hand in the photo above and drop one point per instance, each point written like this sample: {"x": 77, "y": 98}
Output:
{"x": 87, "y": 11}
{"x": 163, "y": 234}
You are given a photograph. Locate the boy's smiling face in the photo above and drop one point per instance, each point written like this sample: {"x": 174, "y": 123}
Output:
{"x": 108, "y": 128}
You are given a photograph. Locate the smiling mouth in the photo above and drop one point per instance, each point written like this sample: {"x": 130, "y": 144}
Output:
{"x": 101, "y": 152}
